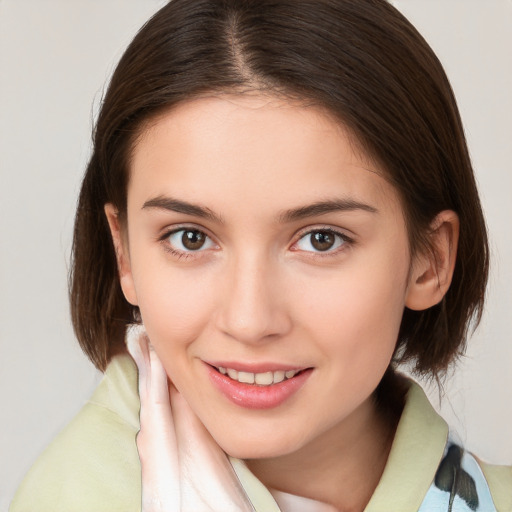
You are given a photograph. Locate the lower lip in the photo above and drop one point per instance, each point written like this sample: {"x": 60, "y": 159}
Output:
{"x": 251, "y": 396}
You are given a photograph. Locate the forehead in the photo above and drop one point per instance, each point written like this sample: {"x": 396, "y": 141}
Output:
{"x": 268, "y": 151}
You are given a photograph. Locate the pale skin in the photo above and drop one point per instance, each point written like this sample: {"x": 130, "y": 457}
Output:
{"x": 243, "y": 171}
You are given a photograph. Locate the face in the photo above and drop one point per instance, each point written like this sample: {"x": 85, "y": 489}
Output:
{"x": 270, "y": 263}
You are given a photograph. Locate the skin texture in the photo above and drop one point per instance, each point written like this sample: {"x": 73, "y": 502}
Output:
{"x": 258, "y": 291}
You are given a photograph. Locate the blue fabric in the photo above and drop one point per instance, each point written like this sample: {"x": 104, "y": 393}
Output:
{"x": 459, "y": 485}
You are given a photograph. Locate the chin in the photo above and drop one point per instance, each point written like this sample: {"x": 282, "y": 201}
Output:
{"x": 258, "y": 447}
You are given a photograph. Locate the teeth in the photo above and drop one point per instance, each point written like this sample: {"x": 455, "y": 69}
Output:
{"x": 279, "y": 376}
{"x": 264, "y": 379}
{"x": 246, "y": 377}
{"x": 261, "y": 379}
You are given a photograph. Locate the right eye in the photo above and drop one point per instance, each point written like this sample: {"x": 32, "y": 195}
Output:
{"x": 189, "y": 240}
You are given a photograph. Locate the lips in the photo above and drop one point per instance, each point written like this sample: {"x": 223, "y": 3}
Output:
{"x": 265, "y": 387}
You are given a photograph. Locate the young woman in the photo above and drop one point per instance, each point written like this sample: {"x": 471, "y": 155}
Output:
{"x": 278, "y": 210}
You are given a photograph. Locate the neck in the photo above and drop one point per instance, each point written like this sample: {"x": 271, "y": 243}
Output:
{"x": 342, "y": 467}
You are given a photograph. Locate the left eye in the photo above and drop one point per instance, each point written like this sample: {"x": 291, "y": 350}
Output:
{"x": 187, "y": 240}
{"x": 320, "y": 241}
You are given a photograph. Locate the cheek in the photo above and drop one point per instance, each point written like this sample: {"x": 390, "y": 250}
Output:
{"x": 355, "y": 323}
{"x": 175, "y": 305}
{"x": 355, "y": 314}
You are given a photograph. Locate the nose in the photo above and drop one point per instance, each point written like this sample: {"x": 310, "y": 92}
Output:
{"x": 254, "y": 306}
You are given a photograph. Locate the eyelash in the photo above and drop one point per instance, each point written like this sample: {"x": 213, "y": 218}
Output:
{"x": 346, "y": 242}
{"x": 164, "y": 239}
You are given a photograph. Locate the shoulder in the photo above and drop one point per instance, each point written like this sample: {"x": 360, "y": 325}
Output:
{"x": 427, "y": 470}
{"x": 93, "y": 463}
{"x": 499, "y": 479}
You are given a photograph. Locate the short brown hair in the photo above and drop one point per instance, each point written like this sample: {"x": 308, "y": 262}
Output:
{"x": 359, "y": 59}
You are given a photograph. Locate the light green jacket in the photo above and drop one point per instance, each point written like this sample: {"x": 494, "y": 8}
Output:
{"x": 93, "y": 465}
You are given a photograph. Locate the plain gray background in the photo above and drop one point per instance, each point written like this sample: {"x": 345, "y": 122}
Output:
{"x": 55, "y": 57}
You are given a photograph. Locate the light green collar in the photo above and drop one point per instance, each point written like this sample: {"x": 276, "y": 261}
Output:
{"x": 415, "y": 455}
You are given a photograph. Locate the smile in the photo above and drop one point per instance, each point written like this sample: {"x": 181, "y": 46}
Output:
{"x": 257, "y": 389}
{"x": 259, "y": 379}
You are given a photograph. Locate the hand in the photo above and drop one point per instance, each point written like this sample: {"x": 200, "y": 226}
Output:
{"x": 183, "y": 468}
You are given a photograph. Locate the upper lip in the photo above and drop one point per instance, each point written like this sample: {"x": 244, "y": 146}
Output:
{"x": 263, "y": 367}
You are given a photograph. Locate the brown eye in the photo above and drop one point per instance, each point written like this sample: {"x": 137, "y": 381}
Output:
{"x": 193, "y": 240}
{"x": 321, "y": 240}
{"x": 189, "y": 240}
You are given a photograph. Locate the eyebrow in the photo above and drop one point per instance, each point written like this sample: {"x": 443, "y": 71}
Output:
{"x": 311, "y": 210}
{"x": 322, "y": 207}
{"x": 175, "y": 205}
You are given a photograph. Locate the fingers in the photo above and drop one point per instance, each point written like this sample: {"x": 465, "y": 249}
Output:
{"x": 208, "y": 481}
{"x": 134, "y": 333}
{"x": 183, "y": 468}
{"x": 156, "y": 441}
{"x": 159, "y": 388}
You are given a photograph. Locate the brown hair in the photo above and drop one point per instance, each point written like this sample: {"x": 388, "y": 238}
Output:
{"x": 359, "y": 59}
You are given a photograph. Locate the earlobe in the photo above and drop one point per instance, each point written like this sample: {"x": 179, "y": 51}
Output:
{"x": 122, "y": 255}
{"x": 432, "y": 272}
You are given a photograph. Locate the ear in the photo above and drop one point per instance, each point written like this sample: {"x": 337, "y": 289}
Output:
{"x": 431, "y": 273}
{"x": 119, "y": 237}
